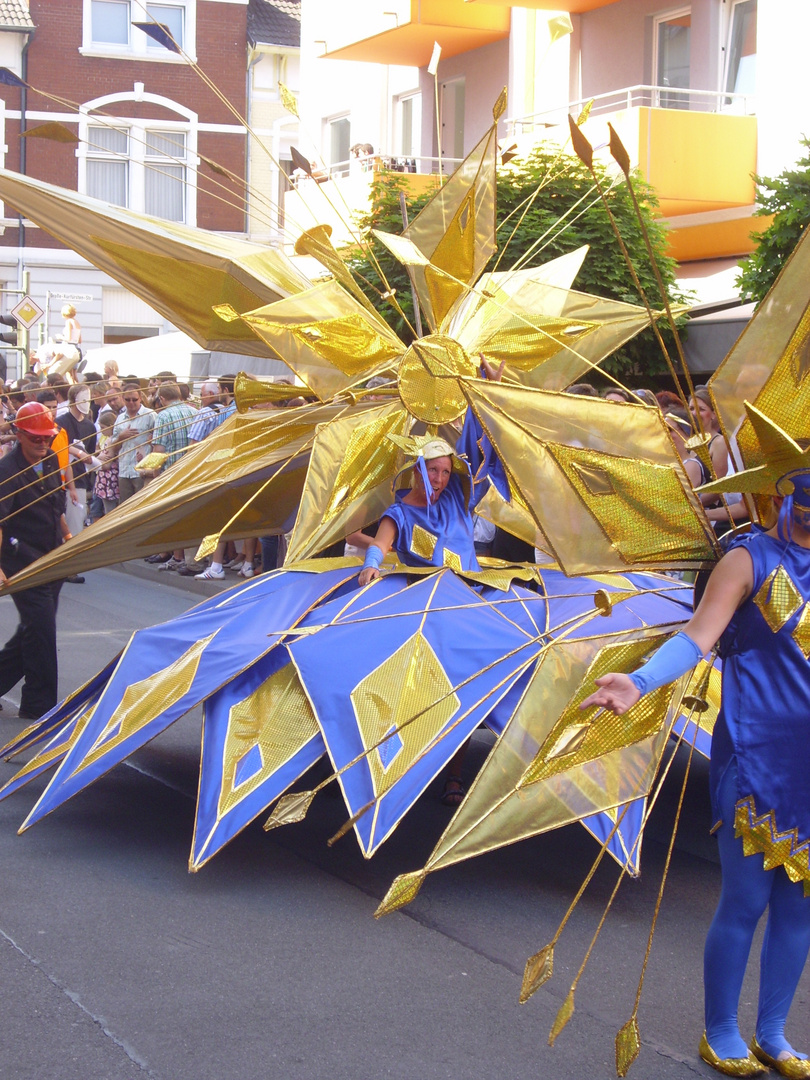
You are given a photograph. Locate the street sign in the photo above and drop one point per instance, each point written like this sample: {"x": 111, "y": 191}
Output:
{"x": 27, "y": 312}
{"x": 72, "y": 297}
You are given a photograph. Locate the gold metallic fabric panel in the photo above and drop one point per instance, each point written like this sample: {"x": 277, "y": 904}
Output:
{"x": 145, "y": 700}
{"x": 770, "y": 361}
{"x": 621, "y": 449}
{"x": 785, "y": 396}
{"x": 345, "y": 491}
{"x": 580, "y": 737}
{"x": 427, "y": 379}
{"x": 548, "y": 336}
{"x": 455, "y": 254}
{"x": 278, "y": 719}
{"x": 632, "y": 499}
{"x": 531, "y": 340}
{"x": 501, "y": 808}
{"x": 760, "y": 835}
{"x": 410, "y": 682}
{"x": 778, "y": 599}
{"x": 711, "y": 694}
{"x": 181, "y": 271}
{"x": 801, "y": 634}
{"x": 328, "y": 338}
{"x": 369, "y": 459}
{"x": 351, "y": 344}
{"x": 423, "y": 543}
{"x": 472, "y": 183}
{"x": 190, "y": 282}
{"x": 467, "y": 200}
{"x": 506, "y": 289}
{"x": 451, "y": 559}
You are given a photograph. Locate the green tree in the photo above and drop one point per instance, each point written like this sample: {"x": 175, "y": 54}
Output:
{"x": 534, "y": 194}
{"x": 787, "y": 198}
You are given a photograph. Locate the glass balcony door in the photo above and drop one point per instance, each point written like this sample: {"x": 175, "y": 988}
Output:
{"x": 671, "y": 57}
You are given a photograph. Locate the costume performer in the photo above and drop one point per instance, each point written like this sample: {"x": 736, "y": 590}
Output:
{"x": 757, "y": 602}
{"x": 32, "y": 522}
{"x": 390, "y": 676}
{"x": 437, "y": 529}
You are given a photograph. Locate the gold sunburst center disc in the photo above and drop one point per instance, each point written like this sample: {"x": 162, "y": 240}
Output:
{"x": 428, "y": 379}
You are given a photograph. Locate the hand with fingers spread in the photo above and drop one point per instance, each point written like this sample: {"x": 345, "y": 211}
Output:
{"x": 617, "y": 693}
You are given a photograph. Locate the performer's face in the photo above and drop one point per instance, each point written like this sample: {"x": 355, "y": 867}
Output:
{"x": 801, "y": 517}
{"x": 438, "y": 470}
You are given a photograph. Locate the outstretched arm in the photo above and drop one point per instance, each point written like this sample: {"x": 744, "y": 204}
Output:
{"x": 730, "y": 584}
{"x": 377, "y": 550}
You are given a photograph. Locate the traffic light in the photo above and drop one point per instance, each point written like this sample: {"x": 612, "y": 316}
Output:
{"x": 10, "y": 336}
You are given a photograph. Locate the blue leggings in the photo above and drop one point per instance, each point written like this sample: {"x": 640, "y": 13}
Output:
{"x": 747, "y": 891}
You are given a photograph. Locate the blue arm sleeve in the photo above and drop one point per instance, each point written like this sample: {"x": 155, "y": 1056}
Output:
{"x": 675, "y": 657}
{"x": 374, "y": 557}
{"x": 484, "y": 462}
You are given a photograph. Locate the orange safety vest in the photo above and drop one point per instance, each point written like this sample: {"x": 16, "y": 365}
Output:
{"x": 59, "y": 446}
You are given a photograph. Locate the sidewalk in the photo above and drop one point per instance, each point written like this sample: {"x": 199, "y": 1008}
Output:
{"x": 152, "y": 572}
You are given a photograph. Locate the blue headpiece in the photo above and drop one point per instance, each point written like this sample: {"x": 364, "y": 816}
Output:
{"x": 795, "y": 487}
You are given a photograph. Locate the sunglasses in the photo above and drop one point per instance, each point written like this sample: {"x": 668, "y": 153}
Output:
{"x": 132, "y": 399}
{"x": 39, "y": 440}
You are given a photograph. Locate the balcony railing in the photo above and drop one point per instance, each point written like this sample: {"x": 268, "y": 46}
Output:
{"x": 375, "y": 163}
{"x": 630, "y": 97}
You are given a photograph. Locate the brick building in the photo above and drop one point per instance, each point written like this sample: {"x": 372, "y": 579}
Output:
{"x": 274, "y": 39}
{"x": 151, "y": 134}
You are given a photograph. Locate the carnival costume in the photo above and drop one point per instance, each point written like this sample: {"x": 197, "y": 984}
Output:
{"x": 760, "y": 787}
{"x": 390, "y": 679}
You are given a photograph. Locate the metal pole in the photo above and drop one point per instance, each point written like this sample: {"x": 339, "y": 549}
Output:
{"x": 26, "y": 284}
{"x": 417, "y": 314}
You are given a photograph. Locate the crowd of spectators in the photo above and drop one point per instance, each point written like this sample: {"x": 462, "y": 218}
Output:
{"x": 108, "y": 425}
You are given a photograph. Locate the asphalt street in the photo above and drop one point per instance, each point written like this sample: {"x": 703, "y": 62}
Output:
{"x": 116, "y": 963}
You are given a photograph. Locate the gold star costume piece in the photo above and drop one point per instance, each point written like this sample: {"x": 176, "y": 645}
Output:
{"x": 391, "y": 679}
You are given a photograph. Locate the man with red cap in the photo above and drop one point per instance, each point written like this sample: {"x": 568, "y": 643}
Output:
{"x": 32, "y": 522}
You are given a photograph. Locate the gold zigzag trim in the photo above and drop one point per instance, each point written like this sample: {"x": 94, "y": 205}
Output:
{"x": 760, "y": 836}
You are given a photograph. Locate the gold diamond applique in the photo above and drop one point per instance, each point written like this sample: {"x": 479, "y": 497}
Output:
{"x": 778, "y": 599}
{"x": 801, "y": 632}
{"x": 423, "y": 543}
{"x": 258, "y": 734}
{"x": 449, "y": 558}
{"x": 412, "y": 688}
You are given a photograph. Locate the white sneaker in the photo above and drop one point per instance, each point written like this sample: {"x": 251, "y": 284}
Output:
{"x": 210, "y": 575}
{"x": 246, "y": 571}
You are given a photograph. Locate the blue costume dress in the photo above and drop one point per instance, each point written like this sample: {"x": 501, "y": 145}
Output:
{"x": 764, "y": 722}
{"x": 760, "y": 788}
{"x": 436, "y": 535}
{"x": 442, "y": 534}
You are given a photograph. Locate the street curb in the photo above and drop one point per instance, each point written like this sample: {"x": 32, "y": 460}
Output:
{"x": 151, "y": 572}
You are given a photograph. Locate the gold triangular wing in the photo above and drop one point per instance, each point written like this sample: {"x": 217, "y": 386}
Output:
{"x": 603, "y": 481}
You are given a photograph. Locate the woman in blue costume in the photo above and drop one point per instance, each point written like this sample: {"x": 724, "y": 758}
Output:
{"x": 757, "y": 603}
{"x": 431, "y": 524}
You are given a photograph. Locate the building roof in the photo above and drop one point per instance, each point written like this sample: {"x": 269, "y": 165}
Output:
{"x": 274, "y": 22}
{"x": 14, "y": 15}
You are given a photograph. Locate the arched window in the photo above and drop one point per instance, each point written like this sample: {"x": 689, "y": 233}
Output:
{"x": 144, "y": 165}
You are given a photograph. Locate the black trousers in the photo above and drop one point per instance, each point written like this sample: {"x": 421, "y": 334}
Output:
{"x": 30, "y": 653}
